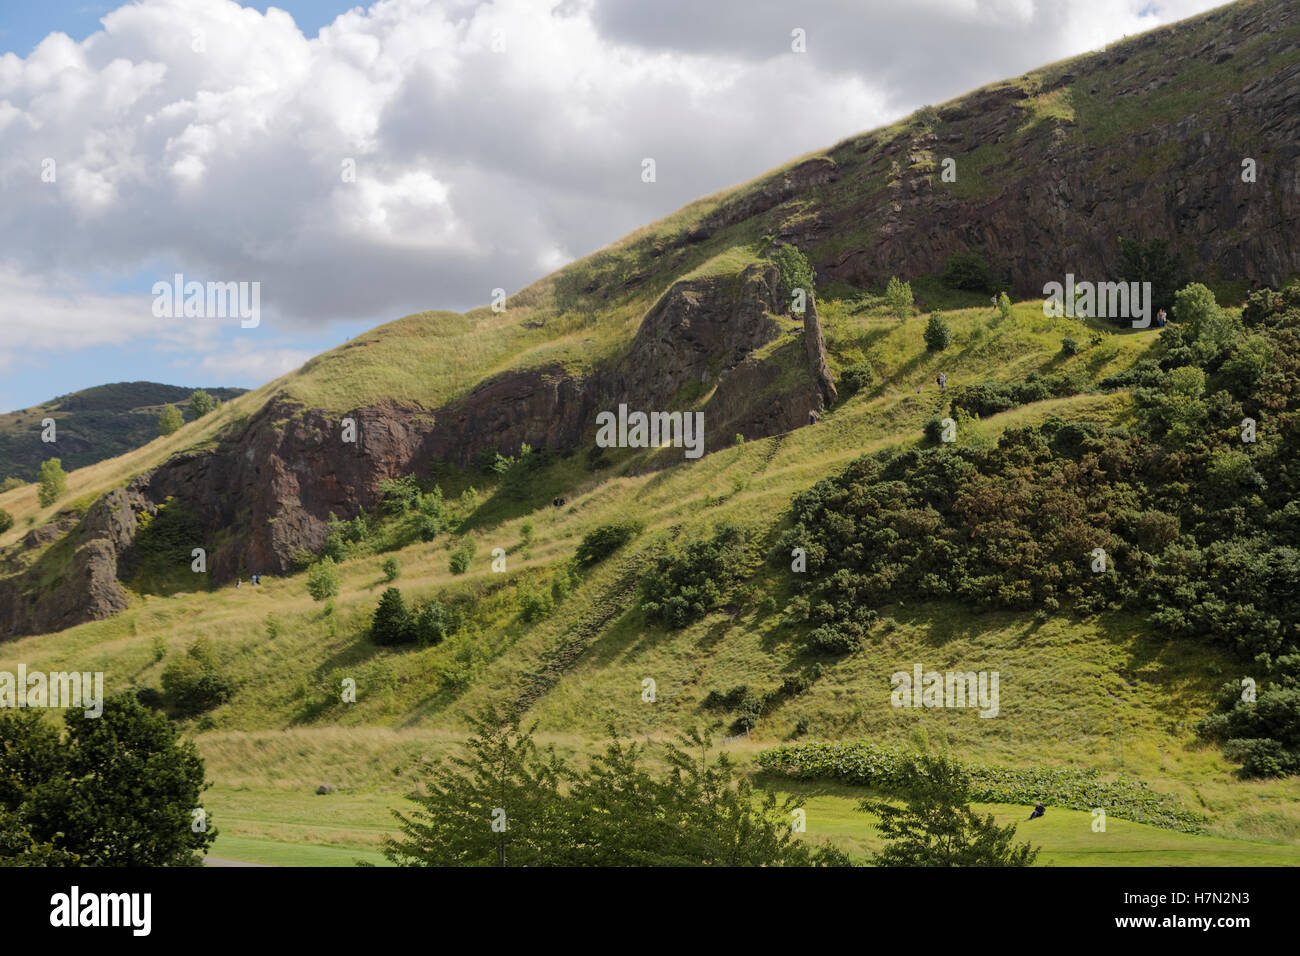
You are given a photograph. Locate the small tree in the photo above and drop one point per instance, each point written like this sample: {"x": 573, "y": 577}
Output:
{"x": 323, "y": 579}
{"x": 392, "y": 623}
{"x": 898, "y": 295}
{"x": 170, "y": 420}
{"x": 201, "y": 403}
{"x": 6, "y": 521}
{"x": 391, "y": 568}
{"x": 937, "y": 827}
{"x": 1004, "y": 305}
{"x": 433, "y": 622}
{"x": 938, "y": 336}
{"x": 53, "y": 482}
{"x": 462, "y": 556}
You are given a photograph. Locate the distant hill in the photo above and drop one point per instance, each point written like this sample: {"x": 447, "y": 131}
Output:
{"x": 92, "y": 425}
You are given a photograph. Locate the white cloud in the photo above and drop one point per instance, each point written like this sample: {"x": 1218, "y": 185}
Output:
{"x": 203, "y": 137}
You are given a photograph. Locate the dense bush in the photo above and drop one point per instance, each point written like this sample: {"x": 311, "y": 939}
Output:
{"x": 53, "y": 482}
{"x": 599, "y": 543}
{"x": 938, "y": 336}
{"x": 968, "y": 271}
{"x": 195, "y": 682}
{"x": 855, "y": 378}
{"x": 686, "y": 585}
{"x": 323, "y": 579}
{"x": 392, "y": 622}
{"x": 6, "y": 521}
{"x": 991, "y": 398}
{"x": 462, "y": 556}
{"x": 898, "y": 296}
{"x": 796, "y": 271}
{"x": 1200, "y": 525}
{"x": 434, "y": 622}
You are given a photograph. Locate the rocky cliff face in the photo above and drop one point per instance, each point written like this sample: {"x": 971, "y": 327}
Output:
{"x": 266, "y": 492}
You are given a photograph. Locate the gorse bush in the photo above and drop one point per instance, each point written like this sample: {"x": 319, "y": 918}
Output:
{"x": 601, "y": 542}
{"x": 1200, "y": 525}
{"x": 195, "y": 682}
{"x": 687, "y": 584}
{"x": 855, "y": 378}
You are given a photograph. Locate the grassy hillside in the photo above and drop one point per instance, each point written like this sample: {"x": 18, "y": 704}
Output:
{"x": 92, "y": 425}
{"x": 1103, "y": 692}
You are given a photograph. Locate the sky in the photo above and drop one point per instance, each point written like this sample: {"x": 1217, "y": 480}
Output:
{"x": 362, "y": 163}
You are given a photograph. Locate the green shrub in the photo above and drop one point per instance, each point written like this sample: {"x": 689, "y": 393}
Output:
{"x": 599, "y": 543}
{"x": 170, "y": 420}
{"x": 1004, "y": 305}
{"x": 1070, "y": 346}
{"x": 434, "y": 622}
{"x": 686, "y": 585}
{"x": 462, "y": 556}
{"x": 194, "y": 682}
{"x": 201, "y": 403}
{"x": 392, "y": 622}
{"x": 53, "y": 482}
{"x": 6, "y": 521}
{"x": 855, "y": 378}
{"x": 397, "y": 496}
{"x": 391, "y": 568}
{"x": 323, "y": 579}
{"x": 898, "y": 296}
{"x": 969, "y": 272}
{"x": 938, "y": 336}
{"x": 9, "y": 484}
{"x": 796, "y": 271}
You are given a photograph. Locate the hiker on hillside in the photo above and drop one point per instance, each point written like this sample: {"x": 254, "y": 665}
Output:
{"x": 239, "y": 583}
{"x": 943, "y": 381}
{"x": 1039, "y": 810}
{"x": 1161, "y": 319}
{"x": 812, "y": 417}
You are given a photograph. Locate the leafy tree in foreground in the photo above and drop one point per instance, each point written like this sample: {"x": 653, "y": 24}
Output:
{"x": 116, "y": 790}
{"x": 507, "y": 803}
{"x": 937, "y": 827}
